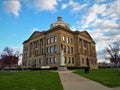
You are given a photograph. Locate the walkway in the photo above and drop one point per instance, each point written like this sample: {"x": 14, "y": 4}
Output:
{"x": 71, "y": 81}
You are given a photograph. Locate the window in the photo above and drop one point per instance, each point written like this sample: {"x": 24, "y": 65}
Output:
{"x": 30, "y": 45}
{"x": 35, "y": 44}
{"x": 85, "y": 43}
{"x": 47, "y": 62}
{"x": 71, "y": 50}
{"x": 51, "y": 49}
{"x": 67, "y": 40}
{"x": 50, "y": 60}
{"x": 71, "y": 40}
{"x": 64, "y": 48}
{"x": 63, "y": 38}
{"x": 40, "y": 62}
{"x": 51, "y": 40}
{"x": 47, "y": 50}
{"x": 72, "y": 60}
{"x": 69, "y": 60}
{"x": 82, "y": 60}
{"x": 41, "y": 42}
{"x": 80, "y": 42}
{"x": 36, "y": 52}
{"x": 55, "y": 39}
{"x": 42, "y": 51}
{"x": 48, "y": 41}
{"x": 55, "y": 48}
{"x": 68, "y": 49}
{"x": 85, "y": 52}
{"x": 55, "y": 60}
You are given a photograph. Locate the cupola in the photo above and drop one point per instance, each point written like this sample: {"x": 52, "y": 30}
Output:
{"x": 60, "y": 23}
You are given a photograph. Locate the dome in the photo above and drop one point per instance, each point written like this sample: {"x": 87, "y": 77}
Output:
{"x": 59, "y": 23}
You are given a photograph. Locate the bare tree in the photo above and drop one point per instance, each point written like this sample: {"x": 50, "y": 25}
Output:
{"x": 7, "y": 52}
{"x": 114, "y": 54}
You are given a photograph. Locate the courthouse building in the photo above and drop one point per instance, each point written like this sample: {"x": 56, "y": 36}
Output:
{"x": 43, "y": 48}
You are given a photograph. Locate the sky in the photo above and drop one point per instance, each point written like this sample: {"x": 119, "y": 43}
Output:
{"x": 20, "y": 18}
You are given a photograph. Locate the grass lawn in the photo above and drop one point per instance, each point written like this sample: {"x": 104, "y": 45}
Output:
{"x": 107, "y": 77}
{"x": 30, "y": 80}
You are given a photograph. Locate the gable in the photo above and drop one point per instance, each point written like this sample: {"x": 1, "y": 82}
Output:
{"x": 34, "y": 35}
{"x": 86, "y": 34}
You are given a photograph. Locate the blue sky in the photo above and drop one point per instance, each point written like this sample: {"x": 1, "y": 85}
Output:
{"x": 20, "y": 18}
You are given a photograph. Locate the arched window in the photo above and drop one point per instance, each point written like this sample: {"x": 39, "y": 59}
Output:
{"x": 55, "y": 38}
{"x": 55, "y": 60}
{"x": 50, "y": 60}
{"x": 55, "y": 48}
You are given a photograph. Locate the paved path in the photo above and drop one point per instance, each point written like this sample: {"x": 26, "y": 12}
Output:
{"x": 71, "y": 81}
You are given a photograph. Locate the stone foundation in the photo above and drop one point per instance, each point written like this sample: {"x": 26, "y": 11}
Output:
{"x": 62, "y": 68}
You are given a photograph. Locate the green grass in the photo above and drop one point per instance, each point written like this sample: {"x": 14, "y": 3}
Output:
{"x": 30, "y": 80}
{"x": 107, "y": 77}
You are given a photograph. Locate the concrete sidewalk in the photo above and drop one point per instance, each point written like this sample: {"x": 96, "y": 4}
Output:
{"x": 71, "y": 81}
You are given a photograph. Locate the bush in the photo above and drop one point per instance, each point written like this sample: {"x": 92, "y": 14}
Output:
{"x": 53, "y": 68}
{"x": 74, "y": 67}
{"x": 19, "y": 68}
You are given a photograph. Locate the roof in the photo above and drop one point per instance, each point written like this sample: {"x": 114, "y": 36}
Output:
{"x": 34, "y": 34}
{"x": 62, "y": 26}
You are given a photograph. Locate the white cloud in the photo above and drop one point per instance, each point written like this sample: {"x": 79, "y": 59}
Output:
{"x": 73, "y": 28}
{"x": 100, "y": 0}
{"x": 75, "y": 6}
{"x": 101, "y": 22}
{"x": 12, "y": 6}
{"x": 34, "y": 29}
{"x": 48, "y": 5}
{"x": 105, "y": 24}
{"x": 92, "y": 14}
{"x": 15, "y": 48}
{"x": 42, "y": 5}
{"x": 113, "y": 10}
{"x": 64, "y": 6}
